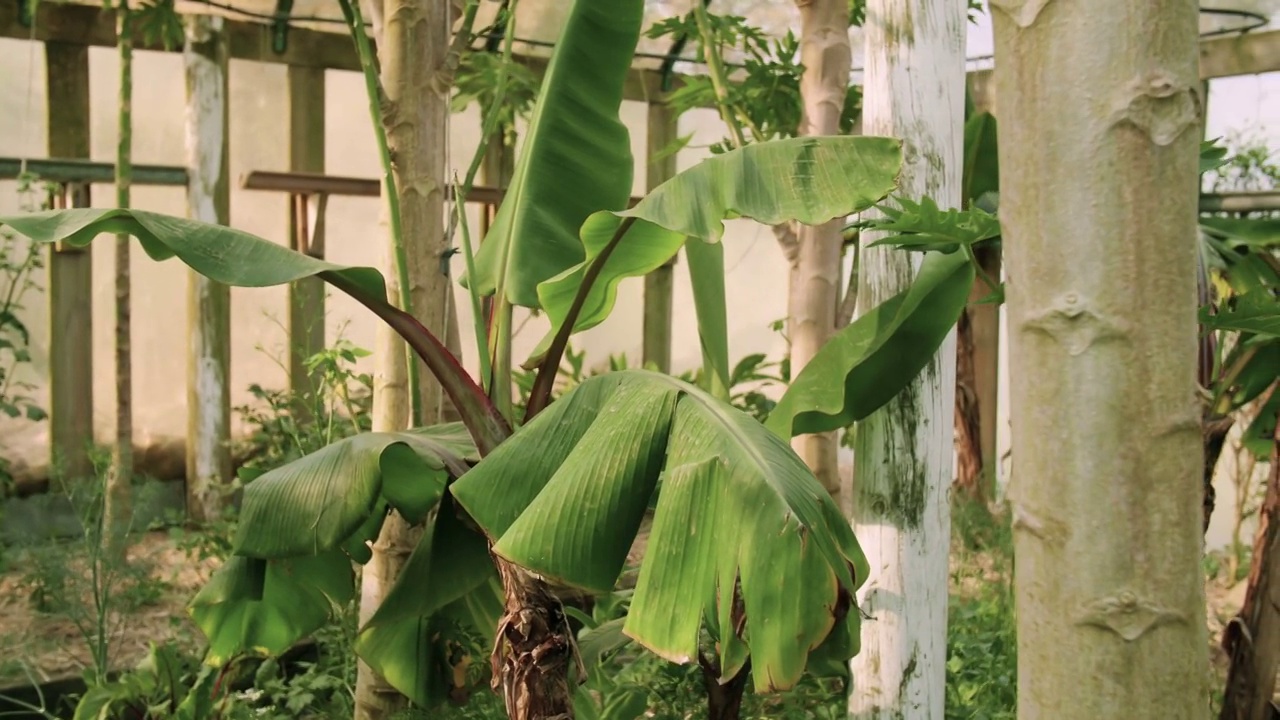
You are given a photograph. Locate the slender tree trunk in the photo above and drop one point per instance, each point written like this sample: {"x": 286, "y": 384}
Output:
{"x": 206, "y": 53}
{"x": 1253, "y": 640}
{"x": 815, "y": 277}
{"x": 117, "y": 509}
{"x": 903, "y": 454}
{"x": 977, "y": 382}
{"x": 415, "y": 38}
{"x": 1099, "y": 105}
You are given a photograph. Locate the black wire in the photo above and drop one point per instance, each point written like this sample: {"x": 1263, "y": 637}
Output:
{"x": 1257, "y": 21}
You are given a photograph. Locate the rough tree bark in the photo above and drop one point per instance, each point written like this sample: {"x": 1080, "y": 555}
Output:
{"x": 1099, "y": 105}
{"x": 815, "y": 275}
{"x": 1252, "y": 641}
{"x": 914, "y": 90}
{"x": 414, "y": 41}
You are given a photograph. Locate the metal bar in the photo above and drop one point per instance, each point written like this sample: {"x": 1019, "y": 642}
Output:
{"x": 1266, "y": 201}
{"x": 67, "y": 170}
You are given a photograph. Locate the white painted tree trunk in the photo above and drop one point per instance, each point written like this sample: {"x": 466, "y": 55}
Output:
{"x": 1099, "y": 106}
{"x": 815, "y": 275}
{"x": 914, "y": 90}
{"x": 205, "y": 56}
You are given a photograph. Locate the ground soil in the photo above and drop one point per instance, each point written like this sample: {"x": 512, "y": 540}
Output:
{"x": 50, "y": 645}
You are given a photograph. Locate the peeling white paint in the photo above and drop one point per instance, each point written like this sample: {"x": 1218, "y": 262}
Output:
{"x": 914, "y": 90}
{"x": 207, "y": 397}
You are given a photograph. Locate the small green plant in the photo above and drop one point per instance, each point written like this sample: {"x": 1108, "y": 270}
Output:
{"x": 764, "y": 95}
{"x": 284, "y": 426}
{"x": 82, "y": 583}
{"x": 982, "y": 657}
{"x": 20, "y": 263}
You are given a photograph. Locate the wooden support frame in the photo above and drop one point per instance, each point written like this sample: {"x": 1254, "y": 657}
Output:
{"x": 72, "y": 170}
{"x": 1241, "y": 202}
{"x": 70, "y": 274}
{"x": 206, "y": 56}
{"x": 306, "y": 321}
{"x": 659, "y": 285}
{"x": 1247, "y": 54}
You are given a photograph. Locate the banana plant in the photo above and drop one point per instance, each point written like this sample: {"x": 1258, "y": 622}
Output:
{"x": 746, "y": 546}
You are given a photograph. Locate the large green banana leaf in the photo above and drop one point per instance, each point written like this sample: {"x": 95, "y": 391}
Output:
{"x": 867, "y": 363}
{"x": 263, "y": 607}
{"x": 810, "y": 180}
{"x": 439, "y": 617}
{"x": 315, "y": 503}
{"x": 232, "y": 257}
{"x": 739, "y": 516}
{"x": 575, "y": 158}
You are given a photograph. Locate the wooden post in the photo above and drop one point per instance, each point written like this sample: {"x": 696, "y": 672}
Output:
{"x": 306, "y": 297}
{"x": 205, "y": 55}
{"x": 663, "y": 130}
{"x": 70, "y": 274}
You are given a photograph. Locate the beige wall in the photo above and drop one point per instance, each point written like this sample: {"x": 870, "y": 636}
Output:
{"x": 756, "y": 282}
{"x": 258, "y": 141}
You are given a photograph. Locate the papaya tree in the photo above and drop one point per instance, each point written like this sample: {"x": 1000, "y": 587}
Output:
{"x": 750, "y": 569}
{"x": 1099, "y": 217}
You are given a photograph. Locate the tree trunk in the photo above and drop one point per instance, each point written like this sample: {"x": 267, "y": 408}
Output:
{"x": 1253, "y": 640}
{"x": 415, "y": 38}
{"x": 903, "y": 454}
{"x": 1099, "y": 106}
{"x": 534, "y": 649}
{"x": 206, "y": 54}
{"x": 977, "y": 378}
{"x": 815, "y": 276}
{"x": 117, "y": 506}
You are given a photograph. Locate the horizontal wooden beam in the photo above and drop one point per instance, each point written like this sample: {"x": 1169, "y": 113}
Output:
{"x": 1249, "y": 54}
{"x": 95, "y": 26}
{"x": 1241, "y": 202}
{"x": 87, "y": 171}
{"x": 301, "y": 183}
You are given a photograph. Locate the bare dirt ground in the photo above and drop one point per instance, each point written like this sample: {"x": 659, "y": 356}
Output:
{"x": 51, "y": 644}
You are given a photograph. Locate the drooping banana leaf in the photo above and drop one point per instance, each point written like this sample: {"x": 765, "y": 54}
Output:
{"x": 439, "y": 617}
{"x": 263, "y": 607}
{"x": 575, "y": 158}
{"x": 739, "y": 514}
{"x": 810, "y": 180}
{"x": 867, "y": 363}
{"x": 315, "y": 503}
{"x": 240, "y": 259}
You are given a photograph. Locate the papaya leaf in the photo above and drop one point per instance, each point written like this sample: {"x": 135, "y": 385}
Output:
{"x": 924, "y": 226}
{"x": 575, "y": 158}
{"x": 739, "y": 516}
{"x": 315, "y": 503}
{"x": 1255, "y": 312}
{"x": 871, "y": 360}
{"x": 240, "y": 259}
